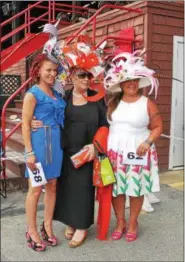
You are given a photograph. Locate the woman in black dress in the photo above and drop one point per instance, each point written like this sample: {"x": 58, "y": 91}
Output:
{"x": 75, "y": 192}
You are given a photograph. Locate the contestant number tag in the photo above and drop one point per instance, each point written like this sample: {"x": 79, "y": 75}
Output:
{"x": 131, "y": 158}
{"x": 37, "y": 177}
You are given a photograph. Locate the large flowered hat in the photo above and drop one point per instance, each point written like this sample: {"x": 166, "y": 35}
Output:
{"x": 83, "y": 54}
{"x": 126, "y": 66}
{"x": 51, "y": 49}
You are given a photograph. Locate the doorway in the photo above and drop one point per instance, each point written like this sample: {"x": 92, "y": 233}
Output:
{"x": 176, "y": 160}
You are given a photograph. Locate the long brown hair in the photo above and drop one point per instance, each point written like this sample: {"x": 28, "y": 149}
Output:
{"x": 113, "y": 102}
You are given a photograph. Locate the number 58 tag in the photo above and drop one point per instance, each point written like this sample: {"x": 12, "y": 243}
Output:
{"x": 37, "y": 177}
{"x": 131, "y": 158}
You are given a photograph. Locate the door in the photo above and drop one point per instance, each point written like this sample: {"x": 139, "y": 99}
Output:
{"x": 177, "y": 109}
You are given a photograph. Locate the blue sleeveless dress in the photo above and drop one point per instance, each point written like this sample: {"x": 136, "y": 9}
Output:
{"x": 46, "y": 140}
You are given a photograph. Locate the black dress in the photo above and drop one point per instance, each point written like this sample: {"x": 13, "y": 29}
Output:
{"x": 75, "y": 192}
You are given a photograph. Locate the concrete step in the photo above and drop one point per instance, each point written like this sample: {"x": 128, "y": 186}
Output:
{"x": 14, "y": 111}
{"x": 15, "y": 142}
{"x": 18, "y": 103}
{"x": 10, "y": 124}
{"x": 13, "y": 182}
{"x": 16, "y": 166}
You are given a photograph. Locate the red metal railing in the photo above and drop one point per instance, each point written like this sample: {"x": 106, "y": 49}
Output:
{"x": 93, "y": 19}
{"x": 51, "y": 18}
{"x": 48, "y": 16}
{"x": 3, "y": 124}
{"x": 27, "y": 22}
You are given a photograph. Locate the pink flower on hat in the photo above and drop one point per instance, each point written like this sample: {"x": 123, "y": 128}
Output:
{"x": 117, "y": 69}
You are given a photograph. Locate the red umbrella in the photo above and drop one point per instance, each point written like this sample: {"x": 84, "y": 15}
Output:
{"x": 104, "y": 194}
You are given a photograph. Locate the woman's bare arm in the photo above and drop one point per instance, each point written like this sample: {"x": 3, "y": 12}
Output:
{"x": 27, "y": 115}
{"x": 155, "y": 125}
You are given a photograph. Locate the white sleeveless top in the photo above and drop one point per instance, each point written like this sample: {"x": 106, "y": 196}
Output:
{"x": 129, "y": 125}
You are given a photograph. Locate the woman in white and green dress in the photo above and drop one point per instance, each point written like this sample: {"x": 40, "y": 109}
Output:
{"x": 135, "y": 124}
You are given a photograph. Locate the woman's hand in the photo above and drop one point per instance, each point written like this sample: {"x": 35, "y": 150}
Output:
{"x": 30, "y": 162}
{"x": 90, "y": 153}
{"x": 142, "y": 149}
{"x": 35, "y": 124}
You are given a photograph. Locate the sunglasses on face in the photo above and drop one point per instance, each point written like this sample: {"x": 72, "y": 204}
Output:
{"x": 83, "y": 75}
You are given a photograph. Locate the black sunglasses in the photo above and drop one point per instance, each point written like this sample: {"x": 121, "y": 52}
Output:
{"x": 83, "y": 75}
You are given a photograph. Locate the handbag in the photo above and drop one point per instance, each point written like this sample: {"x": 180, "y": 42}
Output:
{"x": 103, "y": 174}
{"x": 97, "y": 181}
{"x": 106, "y": 171}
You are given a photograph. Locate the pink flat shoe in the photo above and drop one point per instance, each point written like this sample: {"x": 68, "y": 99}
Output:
{"x": 118, "y": 235}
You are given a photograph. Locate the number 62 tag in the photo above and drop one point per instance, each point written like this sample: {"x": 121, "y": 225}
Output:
{"x": 37, "y": 177}
{"x": 131, "y": 158}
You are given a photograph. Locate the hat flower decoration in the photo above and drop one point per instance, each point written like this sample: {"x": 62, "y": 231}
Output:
{"x": 82, "y": 54}
{"x": 126, "y": 66}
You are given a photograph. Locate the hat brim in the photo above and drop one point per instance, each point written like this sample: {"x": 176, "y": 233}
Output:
{"x": 143, "y": 82}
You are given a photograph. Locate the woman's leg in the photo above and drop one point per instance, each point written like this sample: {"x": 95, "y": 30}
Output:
{"x": 69, "y": 232}
{"x": 79, "y": 235}
{"x": 119, "y": 209}
{"x": 49, "y": 203}
{"x": 135, "y": 209}
{"x": 31, "y": 211}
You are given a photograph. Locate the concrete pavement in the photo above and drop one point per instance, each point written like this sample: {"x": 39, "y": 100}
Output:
{"x": 160, "y": 233}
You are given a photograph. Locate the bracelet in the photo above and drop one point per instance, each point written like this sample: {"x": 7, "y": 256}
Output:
{"x": 32, "y": 153}
{"x": 147, "y": 141}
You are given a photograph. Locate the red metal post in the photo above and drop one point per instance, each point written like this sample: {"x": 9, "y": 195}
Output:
{"x": 49, "y": 15}
{"x": 94, "y": 31}
{"x": 26, "y": 22}
{"x": 53, "y": 11}
{"x": 29, "y": 19}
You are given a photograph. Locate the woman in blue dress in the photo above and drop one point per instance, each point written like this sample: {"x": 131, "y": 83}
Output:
{"x": 42, "y": 145}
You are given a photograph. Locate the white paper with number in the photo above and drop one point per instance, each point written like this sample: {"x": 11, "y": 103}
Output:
{"x": 131, "y": 158}
{"x": 37, "y": 177}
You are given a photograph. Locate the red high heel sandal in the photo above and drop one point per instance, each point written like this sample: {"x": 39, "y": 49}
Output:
{"x": 39, "y": 247}
{"x": 51, "y": 241}
{"x": 131, "y": 236}
{"x": 116, "y": 235}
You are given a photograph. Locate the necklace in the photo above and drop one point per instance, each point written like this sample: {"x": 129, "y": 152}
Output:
{"x": 78, "y": 96}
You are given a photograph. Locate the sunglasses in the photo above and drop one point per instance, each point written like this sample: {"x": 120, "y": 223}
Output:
{"x": 83, "y": 75}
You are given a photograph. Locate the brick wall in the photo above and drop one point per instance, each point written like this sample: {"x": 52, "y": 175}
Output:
{"x": 166, "y": 19}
